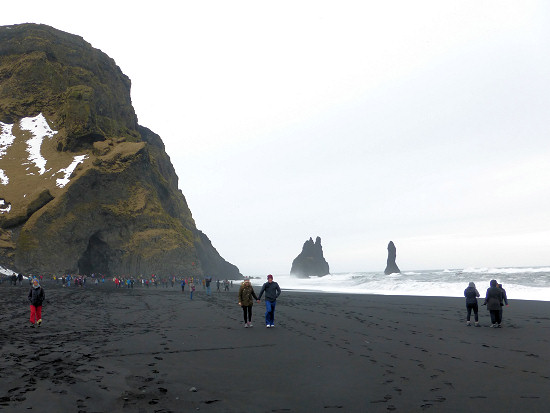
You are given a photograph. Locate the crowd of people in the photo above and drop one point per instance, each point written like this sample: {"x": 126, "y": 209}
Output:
{"x": 78, "y": 280}
{"x": 495, "y": 296}
{"x": 36, "y": 295}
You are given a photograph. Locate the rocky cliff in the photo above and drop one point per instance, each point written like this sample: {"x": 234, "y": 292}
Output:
{"x": 391, "y": 266}
{"x": 83, "y": 187}
{"x": 310, "y": 262}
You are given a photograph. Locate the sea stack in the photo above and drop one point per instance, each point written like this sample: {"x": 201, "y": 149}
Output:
{"x": 391, "y": 267}
{"x": 311, "y": 261}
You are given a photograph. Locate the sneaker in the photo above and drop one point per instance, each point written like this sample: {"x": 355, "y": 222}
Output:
{"x": 493, "y": 325}
{"x": 267, "y": 326}
{"x": 38, "y": 323}
{"x": 32, "y": 325}
{"x": 477, "y": 324}
{"x": 245, "y": 325}
{"x": 498, "y": 326}
{"x": 250, "y": 324}
{"x": 272, "y": 325}
{"x": 468, "y": 323}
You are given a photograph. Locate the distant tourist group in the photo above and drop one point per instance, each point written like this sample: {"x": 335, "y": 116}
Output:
{"x": 495, "y": 299}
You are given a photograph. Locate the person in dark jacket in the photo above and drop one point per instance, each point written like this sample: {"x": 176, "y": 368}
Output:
{"x": 36, "y": 298}
{"x": 272, "y": 292}
{"x": 207, "y": 282}
{"x": 493, "y": 298}
{"x": 504, "y": 300}
{"x": 471, "y": 295}
{"x": 246, "y": 293}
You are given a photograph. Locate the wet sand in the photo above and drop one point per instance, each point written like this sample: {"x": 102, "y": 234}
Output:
{"x": 154, "y": 350}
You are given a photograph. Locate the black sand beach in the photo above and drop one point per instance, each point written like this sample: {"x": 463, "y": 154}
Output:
{"x": 145, "y": 350}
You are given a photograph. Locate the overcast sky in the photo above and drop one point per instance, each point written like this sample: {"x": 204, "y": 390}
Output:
{"x": 425, "y": 123}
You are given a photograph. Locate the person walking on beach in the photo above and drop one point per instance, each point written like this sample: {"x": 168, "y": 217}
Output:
{"x": 183, "y": 285}
{"x": 493, "y": 298}
{"x": 471, "y": 295}
{"x": 272, "y": 292}
{"x": 192, "y": 288}
{"x": 246, "y": 293}
{"x": 36, "y": 298}
{"x": 504, "y": 300}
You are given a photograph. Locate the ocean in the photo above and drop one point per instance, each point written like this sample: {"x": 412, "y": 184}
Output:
{"x": 519, "y": 283}
{"x": 526, "y": 283}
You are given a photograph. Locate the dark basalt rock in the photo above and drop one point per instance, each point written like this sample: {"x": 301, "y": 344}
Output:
{"x": 391, "y": 267}
{"x": 121, "y": 211}
{"x": 311, "y": 261}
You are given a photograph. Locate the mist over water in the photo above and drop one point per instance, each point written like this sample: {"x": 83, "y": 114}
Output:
{"x": 519, "y": 283}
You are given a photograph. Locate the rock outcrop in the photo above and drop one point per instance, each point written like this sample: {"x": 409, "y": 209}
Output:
{"x": 83, "y": 187}
{"x": 310, "y": 262}
{"x": 391, "y": 267}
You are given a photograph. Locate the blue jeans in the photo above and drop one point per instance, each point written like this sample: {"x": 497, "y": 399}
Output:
{"x": 208, "y": 291}
{"x": 270, "y": 312}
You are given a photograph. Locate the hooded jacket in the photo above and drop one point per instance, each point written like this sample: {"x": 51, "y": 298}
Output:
{"x": 246, "y": 292}
{"x": 493, "y": 298}
{"x": 471, "y": 294}
{"x": 36, "y": 295}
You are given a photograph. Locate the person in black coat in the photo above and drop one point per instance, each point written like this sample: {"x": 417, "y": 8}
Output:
{"x": 493, "y": 298}
{"x": 36, "y": 298}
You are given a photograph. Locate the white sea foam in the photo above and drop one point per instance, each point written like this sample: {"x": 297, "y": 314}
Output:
{"x": 520, "y": 283}
{"x": 512, "y": 270}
